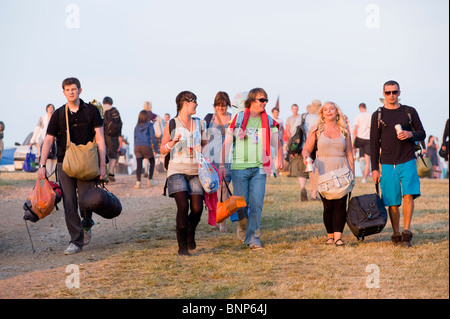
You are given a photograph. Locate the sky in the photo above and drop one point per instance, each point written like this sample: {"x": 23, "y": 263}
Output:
{"x": 136, "y": 51}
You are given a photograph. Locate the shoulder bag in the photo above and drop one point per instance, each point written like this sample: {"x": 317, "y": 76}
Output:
{"x": 80, "y": 161}
{"x": 336, "y": 184}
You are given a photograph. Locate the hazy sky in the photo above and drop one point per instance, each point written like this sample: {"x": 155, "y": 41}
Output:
{"x": 133, "y": 51}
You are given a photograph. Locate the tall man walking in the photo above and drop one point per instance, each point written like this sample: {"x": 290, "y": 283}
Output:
{"x": 399, "y": 179}
{"x": 85, "y": 124}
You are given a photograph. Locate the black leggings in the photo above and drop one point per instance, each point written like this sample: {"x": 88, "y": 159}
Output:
{"x": 139, "y": 168}
{"x": 184, "y": 202}
{"x": 334, "y": 214}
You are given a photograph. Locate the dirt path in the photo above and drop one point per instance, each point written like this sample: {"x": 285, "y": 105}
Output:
{"x": 50, "y": 236}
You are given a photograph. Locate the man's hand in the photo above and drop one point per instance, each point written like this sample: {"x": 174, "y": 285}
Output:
{"x": 404, "y": 135}
{"x": 376, "y": 176}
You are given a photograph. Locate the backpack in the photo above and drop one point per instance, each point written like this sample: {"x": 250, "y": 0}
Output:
{"x": 296, "y": 141}
{"x": 112, "y": 122}
{"x": 157, "y": 126}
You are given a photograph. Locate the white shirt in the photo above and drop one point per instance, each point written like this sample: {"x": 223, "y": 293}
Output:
{"x": 362, "y": 120}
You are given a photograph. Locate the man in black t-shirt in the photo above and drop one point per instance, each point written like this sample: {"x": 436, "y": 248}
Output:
{"x": 399, "y": 179}
{"x": 85, "y": 124}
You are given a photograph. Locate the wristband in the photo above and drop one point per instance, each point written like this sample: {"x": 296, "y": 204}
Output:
{"x": 40, "y": 165}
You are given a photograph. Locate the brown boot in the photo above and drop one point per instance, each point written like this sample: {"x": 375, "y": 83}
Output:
{"x": 396, "y": 238}
{"x": 407, "y": 238}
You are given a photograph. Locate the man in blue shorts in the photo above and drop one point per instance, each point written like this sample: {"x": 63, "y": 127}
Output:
{"x": 399, "y": 179}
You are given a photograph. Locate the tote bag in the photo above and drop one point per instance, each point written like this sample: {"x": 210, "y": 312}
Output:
{"x": 80, "y": 161}
{"x": 336, "y": 184}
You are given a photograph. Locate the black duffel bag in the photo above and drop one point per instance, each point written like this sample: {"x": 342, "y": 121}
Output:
{"x": 102, "y": 202}
{"x": 366, "y": 214}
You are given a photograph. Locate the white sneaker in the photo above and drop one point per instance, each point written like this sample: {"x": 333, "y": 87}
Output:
{"x": 87, "y": 235}
{"x": 72, "y": 249}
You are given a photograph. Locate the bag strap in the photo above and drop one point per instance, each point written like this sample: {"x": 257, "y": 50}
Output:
{"x": 228, "y": 188}
{"x": 67, "y": 128}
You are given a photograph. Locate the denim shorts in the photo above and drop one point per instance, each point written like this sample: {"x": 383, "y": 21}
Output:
{"x": 184, "y": 183}
{"x": 399, "y": 180}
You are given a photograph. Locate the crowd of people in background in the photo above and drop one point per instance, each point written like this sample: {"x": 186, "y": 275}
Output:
{"x": 246, "y": 148}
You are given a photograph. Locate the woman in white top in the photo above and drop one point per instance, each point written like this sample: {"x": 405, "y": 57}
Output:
{"x": 39, "y": 135}
{"x": 183, "y": 183}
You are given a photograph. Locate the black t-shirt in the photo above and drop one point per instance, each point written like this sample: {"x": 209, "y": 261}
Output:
{"x": 81, "y": 124}
{"x": 393, "y": 150}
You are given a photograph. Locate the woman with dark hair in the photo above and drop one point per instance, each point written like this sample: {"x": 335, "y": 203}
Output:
{"x": 145, "y": 146}
{"x": 183, "y": 183}
{"x": 334, "y": 151}
{"x": 255, "y": 143}
{"x": 217, "y": 124}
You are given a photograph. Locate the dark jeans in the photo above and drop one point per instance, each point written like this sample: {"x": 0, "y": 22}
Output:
{"x": 73, "y": 191}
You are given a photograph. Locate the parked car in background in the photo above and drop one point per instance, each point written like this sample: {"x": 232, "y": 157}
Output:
{"x": 21, "y": 152}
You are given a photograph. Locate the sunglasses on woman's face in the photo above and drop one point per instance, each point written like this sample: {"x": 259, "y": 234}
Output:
{"x": 263, "y": 100}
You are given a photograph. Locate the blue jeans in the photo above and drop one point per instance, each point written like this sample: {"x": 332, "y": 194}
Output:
{"x": 251, "y": 184}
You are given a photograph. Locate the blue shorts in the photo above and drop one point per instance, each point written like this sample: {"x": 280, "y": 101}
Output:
{"x": 184, "y": 183}
{"x": 399, "y": 180}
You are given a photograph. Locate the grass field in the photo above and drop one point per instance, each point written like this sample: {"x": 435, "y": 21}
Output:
{"x": 294, "y": 264}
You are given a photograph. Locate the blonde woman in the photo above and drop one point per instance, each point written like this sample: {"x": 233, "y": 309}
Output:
{"x": 334, "y": 151}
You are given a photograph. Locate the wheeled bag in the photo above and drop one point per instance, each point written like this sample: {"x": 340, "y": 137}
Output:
{"x": 366, "y": 215}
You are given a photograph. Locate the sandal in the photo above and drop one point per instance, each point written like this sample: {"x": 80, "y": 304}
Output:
{"x": 342, "y": 243}
{"x": 328, "y": 242}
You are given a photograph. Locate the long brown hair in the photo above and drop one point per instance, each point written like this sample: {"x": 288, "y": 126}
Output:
{"x": 143, "y": 117}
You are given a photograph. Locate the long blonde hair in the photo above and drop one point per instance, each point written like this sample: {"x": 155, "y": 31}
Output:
{"x": 340, "y": 120}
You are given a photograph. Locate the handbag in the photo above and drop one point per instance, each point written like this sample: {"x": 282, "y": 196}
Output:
{"x": 366, "y": 214}
{"x": 29, "y": 164}
{"x": 336, "y": 184}
{"x": 80, "y": 161}
{"x": 230, "y": 206}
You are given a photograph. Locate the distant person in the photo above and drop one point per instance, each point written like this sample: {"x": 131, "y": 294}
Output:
{"x": 112, "y": 124}
{"x": 291, "y": 126}
{"x": 216, "y": 125}
{"x": 2, "y": 129}
{"x": 275, "y": 115}
{"x": 334, "y": 151}
{"x": 445, "y": 144}
{"x": 432, "y": 154}
{"x": 310, "y": 121}
{"x": 399, "y": 179}
{"x": 256, "y": 153}
{"x": 361, "y": 138}
{"x": 183, "y": 183}
{"x": 85, "y": 125}
{"x": 145, "y": 146}
{"x": 39, "y": 135}
{"x": 158, "y": 128}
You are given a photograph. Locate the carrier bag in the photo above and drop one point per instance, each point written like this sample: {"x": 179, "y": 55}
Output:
{"x": 208, "y": 174}
{"x": 42, "y": 198}
{"x": 29, "y": 164}
{"x": 102, "y": 202}
{"x": 366, "y": 214}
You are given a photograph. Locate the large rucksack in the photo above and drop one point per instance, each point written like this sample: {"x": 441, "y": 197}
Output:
{"x": 296, "y": 141}
{"x": 112, "y": 122}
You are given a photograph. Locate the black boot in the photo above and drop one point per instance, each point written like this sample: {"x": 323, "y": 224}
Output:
{"x": 182, "y": 242}
{"x": 191, "y": 238}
